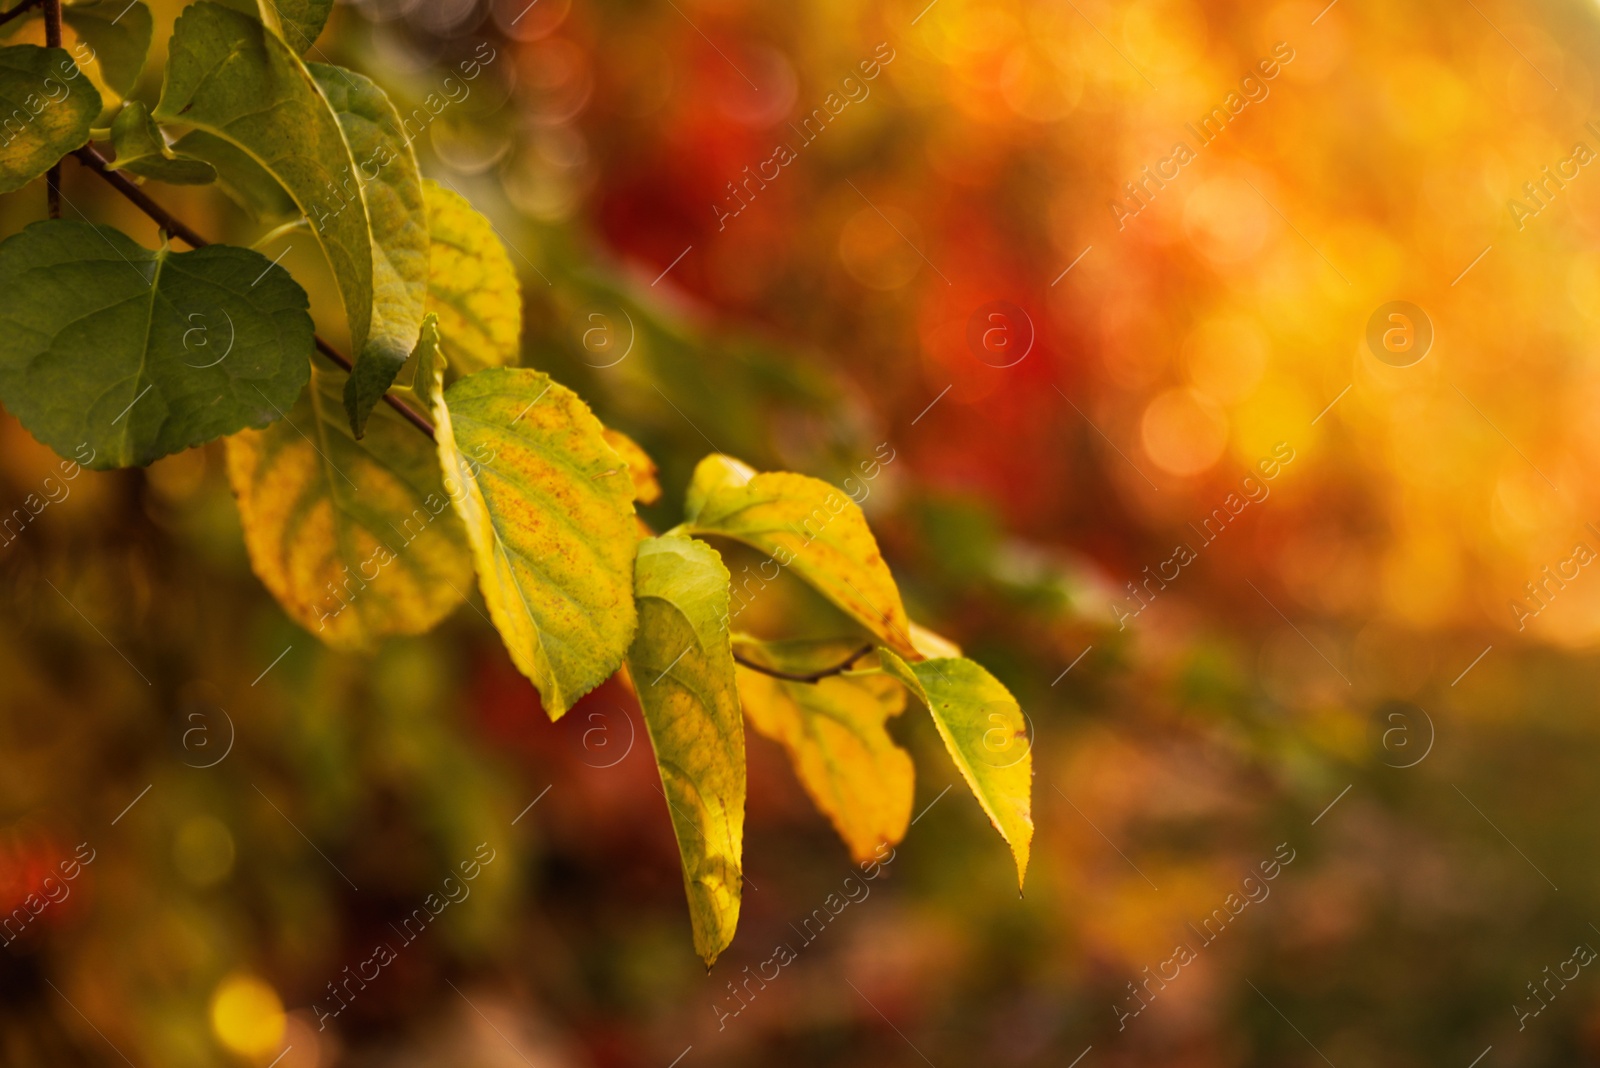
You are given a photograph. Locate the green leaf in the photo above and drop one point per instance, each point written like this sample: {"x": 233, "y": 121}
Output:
{"x": 298, "y": 22}
{"x": 46, "y": 108}
{"x": 229, "y": 76}
{"x": 985, "y": 733}
{"x": 143, "y": 151}
{"x": 471, "y": 284}
{"x": 681, "y": 664}
{"x": 138, "y": 353}
{"x": 835, "y": 731}
{"x": 391, "y": 188}
{"x": 356, "y": 539}
{"x": 806, "y": 524}
{"x": 549, "y": 513}
{"x": 246, "y": 182}
{"x": 119, "y": 32}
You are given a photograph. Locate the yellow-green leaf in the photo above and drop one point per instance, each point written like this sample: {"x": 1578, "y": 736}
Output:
{"x": 642, "y": 469}
{"x": 549, "y": 513}
{"x": 681, "y": 664}
{"x": 471, "y": 284}
{"x": 230, "y": 76}
{"x": 984, "y": 730}
{"x": 46, "y": 107}
{"x": 391, "y": 189}
{"x": 356, "y": 539}
{"x": 806, "y": 524}
{"x": 836, "y": 734}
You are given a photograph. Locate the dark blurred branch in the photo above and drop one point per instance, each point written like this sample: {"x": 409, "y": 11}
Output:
{"x": 812, "y": 677}
{"x": 52, "y": 178}
{"x": 20, "y": 10}
{"x": 91, "y": 158}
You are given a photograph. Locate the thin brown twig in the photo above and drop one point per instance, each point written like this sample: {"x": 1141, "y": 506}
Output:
{"x": 91, "y": 158}
{"x": 812, "y": 677}
{"x": 18, "y": 11}
{"x": 52, "y": 178}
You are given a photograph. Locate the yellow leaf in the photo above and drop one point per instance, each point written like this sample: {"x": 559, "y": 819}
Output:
{"x": 836, "y": 735}
{"x": 356, "y": 539}
{"x": 471, "y": 284}
{"x": 549, "y": 515}
{"x": 806, "y": 524}
{"x": 646, "y": 490}
{"x": 681, "y": 664}
{"x": 984, "y": 731}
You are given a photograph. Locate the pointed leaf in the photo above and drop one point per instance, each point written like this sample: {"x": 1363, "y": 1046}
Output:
{"x": 356, "y": 539}
{"x": 391, "y": 188}
{"x": 46, "y": 108}
{"x": 681, "y": 664}
{"x": 471, "y": 284}
{"x": 246, "y": 182}
{"x": 119, "y": 31}
{"x": 229, "y": 76}
{"x": 804, "y": 523}
{"x": 143, "y": 151}
{"x": 984, "y": 731}
{"x": 140, "y": 353}
{"x": 836, "y": 734}
{"x": 549, "y": 513}
{"x": 642, "y": 469}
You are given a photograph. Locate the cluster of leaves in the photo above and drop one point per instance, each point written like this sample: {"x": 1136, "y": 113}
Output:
{"x": 363, "y": 527}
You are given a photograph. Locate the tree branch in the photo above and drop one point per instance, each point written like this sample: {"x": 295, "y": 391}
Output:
{"x": 91, "y": 158}
{"x": 18, "y": 11}
{"x": 52, "y": 178}
{"x": 812, "y": 677}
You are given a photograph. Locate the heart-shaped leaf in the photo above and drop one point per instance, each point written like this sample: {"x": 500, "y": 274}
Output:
{"x": 141, "y": 353}
{"x": 46, "y": 108}
{"x": 681, "y": 664}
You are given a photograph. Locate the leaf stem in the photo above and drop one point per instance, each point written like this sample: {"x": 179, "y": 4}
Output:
{"x": 812, "y": 677}
{"x": 91, "y": 158}
{"x": 52, "y": 178}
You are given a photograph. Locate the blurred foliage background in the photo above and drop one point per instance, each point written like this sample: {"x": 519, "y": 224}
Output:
{"x": 1342, "y": 677}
